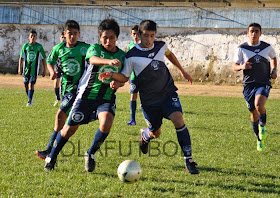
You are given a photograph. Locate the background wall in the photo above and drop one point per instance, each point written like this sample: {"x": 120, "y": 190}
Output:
{"x": 203, "y": 41}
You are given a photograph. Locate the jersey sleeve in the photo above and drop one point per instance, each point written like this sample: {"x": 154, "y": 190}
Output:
{"x": 93, "y": 51}
{"x": 53, "y": 56}
{"x": 128, "y": 67}
{"x": 272, "y": 53}
{"x": 238, "y": 56}
{"x": 22, "y": 54}
{"x": 167, "y": 52}
{"x": 43, "y": 52}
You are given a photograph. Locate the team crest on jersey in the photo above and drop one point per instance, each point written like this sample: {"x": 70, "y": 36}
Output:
{"x": 77, "y": 116}
{"x": 83, "y": 51}
{"x": 91, "y": 52}
{"x": 60, "y": 52}
{"x": 176, "y": 102}
{"x": 108, "y": 68}
{"x": 155, "y": 64}
{"x": 257, "y": 50}
{"x": 257, "y": 59}
{"x": 39, "y": 48}
{"x": 151, "y": 55}
{"x": 71, "y": 67}
{"x": 31, "y": 56}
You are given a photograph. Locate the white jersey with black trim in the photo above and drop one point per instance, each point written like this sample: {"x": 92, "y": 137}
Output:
{"x": 154, "y": 78}
{"x": 260, "y": 56}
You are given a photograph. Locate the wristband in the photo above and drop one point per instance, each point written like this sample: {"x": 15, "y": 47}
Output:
{"x": 274, "y": 71}
{"x": 112, "y": 73}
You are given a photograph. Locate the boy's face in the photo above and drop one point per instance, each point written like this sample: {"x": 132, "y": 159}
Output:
{"x": 32, "y": 38}
{"x": 71, "y": 36}
{"x": 147, "y": 38}
{"x": 254, "y": 34}
{"x": 135, "y": 36}
{"x": 108, "y": 40}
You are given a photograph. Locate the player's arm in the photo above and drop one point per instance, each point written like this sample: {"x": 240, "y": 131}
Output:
{"x": 44, "y": 67}
{"x": 116, "y": 84}
{"x": 20, "y": 61}
{"x": 116, "y": 76}
{"x": 52, "y": 72}
{"x": 173, "y": 59}
{"x": 238, "y": 67}
{"x": 94, "y": 60}
{"x": 273, "y": 63}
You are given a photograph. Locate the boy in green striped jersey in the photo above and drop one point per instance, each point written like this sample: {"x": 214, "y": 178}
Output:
{"x": 95, "y": 99}
{"x": 71, "y": 54}
{"x": 30, "y": 57}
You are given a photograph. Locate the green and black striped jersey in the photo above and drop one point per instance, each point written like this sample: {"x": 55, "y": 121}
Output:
{"x": 90, "y": 86}
{"x": 72, "y": 64}
{"x": 32, "y": 55}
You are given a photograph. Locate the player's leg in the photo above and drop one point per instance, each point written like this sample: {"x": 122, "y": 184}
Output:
{"x": 106, "y": 118}
{"x": 133, "y": 102}
{"x": 61, "y": 116}
{"x": 260, "y": 101}
{"x": 31, "y": 86}
{"x": 153, "y": 117}
{"x": 61, "y": 139}
{"x": 57, "y": 89}
{"x": 26, "y": 82}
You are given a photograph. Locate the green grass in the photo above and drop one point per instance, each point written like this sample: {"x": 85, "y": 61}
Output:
{"x": 224, "y": 147}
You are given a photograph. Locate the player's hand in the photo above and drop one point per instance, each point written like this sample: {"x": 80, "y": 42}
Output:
{"x": 116, "y": 84}
{"x": 104, "y": 75}
{"x": 187, "y": 77}
{"x": 247, "y": 65}
{"x": 115, "y": 62}
{"x": 273, "y": 75}
{"x": 53, "y": 75}
{"x": 19, "y": 72}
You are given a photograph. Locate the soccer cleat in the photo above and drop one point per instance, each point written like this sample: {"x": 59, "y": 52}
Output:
{"x": 89, "y": 162}
{"x": 43, "y": 154}
{"x": 29, "y": 104}
{"x": 131, "y": 122}
{"x": 56, "y": 103}
{"x": 49, "y": 166}
{"x": 143, "y": 144}
{"x": 260, "y": 145}
{"x": 191, "y": 166}
{"x": 262, "y": 132}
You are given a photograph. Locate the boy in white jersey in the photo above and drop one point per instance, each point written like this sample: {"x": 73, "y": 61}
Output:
{"x": 156, "y": 89}
{"x": 255, "y": 58}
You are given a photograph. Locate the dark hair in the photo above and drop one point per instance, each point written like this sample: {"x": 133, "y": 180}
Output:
{"x": 109, "y": 24}
{"x": 33, "y": 32}
{"x": 135, "y": 27}
{"x": 71, "y": 24}
{"x": 62, "y": 33}
{"x": 255, "y": 25}
{"x": 147, "y": 25}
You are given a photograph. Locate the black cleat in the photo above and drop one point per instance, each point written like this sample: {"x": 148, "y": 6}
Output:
{"x": 191, "y": 167}
{"x": 143, "y": 144}
{"x": 43, "y": 154}
{"x": 89, "y": 162}
{"x": 49, "y": 166}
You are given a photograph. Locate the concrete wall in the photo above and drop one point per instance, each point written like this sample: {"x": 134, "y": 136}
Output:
{"x": 205, "y": 53}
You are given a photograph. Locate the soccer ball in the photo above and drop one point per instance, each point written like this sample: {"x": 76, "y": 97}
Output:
{"x": 129, "y": 171}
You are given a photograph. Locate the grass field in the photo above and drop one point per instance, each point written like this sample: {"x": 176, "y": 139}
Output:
{"x": 223, "y": 146}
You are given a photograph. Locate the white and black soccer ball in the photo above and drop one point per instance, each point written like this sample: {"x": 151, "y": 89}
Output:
{"x": 129, "y": 171}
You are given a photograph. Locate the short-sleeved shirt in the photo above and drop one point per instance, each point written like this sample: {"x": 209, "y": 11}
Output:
{"x": 154, "y": 78}
{"x": 90, "y": 86}
{"x": 32, "y": 55}
{"x": 72, "y": 64}
{"x": 259, "y": 55}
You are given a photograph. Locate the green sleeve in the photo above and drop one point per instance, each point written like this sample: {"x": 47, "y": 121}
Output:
{"x": 93, "y": 50}
{"x": 53, "y": 56}
{"x": 22, "y": 51}
{"x": 43, "y": 52}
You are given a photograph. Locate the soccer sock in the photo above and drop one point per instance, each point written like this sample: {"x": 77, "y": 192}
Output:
{"x": 255, "y": 126}
{"x": 56, "y": 91}
{"x": 133, "y": 105}
{"x": 26, "y": 93}
{"x": 146, "y": 135}
{"x": 57, "y": 146}
{"x": 99, "y": 138}
{"x": 30, "y": 95}
{"x": 51, "y": 141}
{"x": 262, "y": 119}
{"x": 184, "y": 140}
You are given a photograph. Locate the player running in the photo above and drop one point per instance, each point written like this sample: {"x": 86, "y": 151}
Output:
{"x": 156, "y": 89}
{"x": 95, "y": 99}
{"x": 72, "y": 55}
{"x": 255, "y": 59}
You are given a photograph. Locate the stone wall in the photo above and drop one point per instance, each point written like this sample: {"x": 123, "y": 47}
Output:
{"x": 205, "y": 53}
